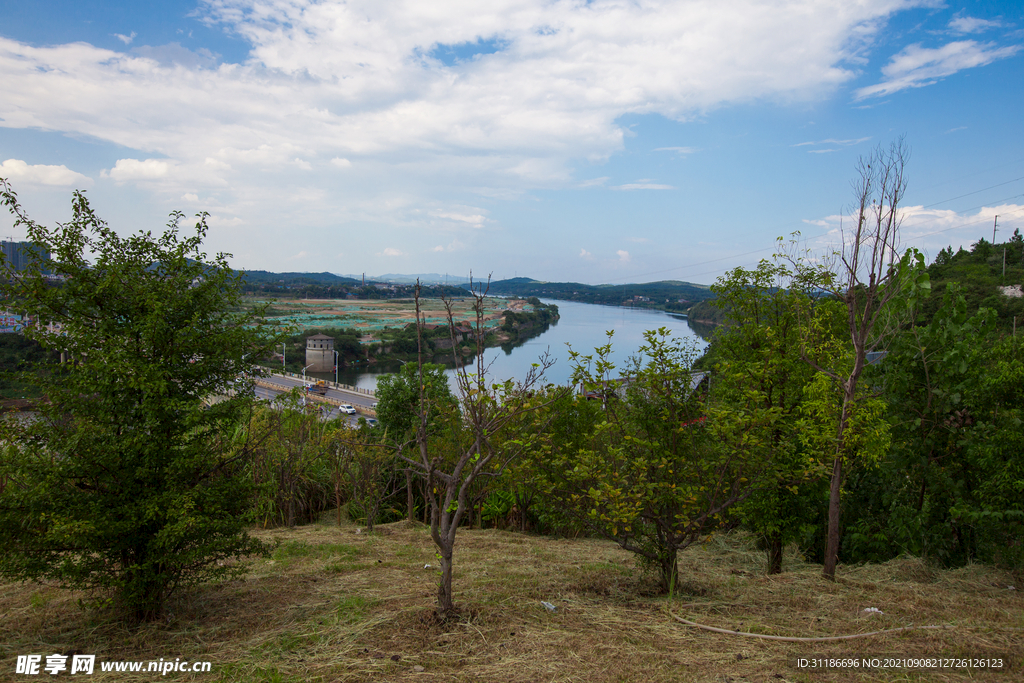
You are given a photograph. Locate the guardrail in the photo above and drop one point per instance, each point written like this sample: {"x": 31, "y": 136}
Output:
{"x": 363, "y": 410}
{"x": 334, "y": 385}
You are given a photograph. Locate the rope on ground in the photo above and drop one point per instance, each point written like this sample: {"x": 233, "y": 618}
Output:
{"x": 795, "y": 639}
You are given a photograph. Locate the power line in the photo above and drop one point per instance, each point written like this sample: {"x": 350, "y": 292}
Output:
{"x": 975, "y": 192}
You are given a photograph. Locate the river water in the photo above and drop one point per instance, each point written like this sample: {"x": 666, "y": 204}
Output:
{"x": 583, "y": 326}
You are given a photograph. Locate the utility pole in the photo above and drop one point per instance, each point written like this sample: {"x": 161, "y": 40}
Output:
{"x": 994, "y": 224}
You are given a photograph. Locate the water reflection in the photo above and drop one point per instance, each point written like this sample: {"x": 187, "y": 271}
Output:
{"x": 583, "y": 326}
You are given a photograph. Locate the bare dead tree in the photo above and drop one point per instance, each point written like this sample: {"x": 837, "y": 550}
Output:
{"x": 480, "y": 442}
{"x": 874, "y": 282}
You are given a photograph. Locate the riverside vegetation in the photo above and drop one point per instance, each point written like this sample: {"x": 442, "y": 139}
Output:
{"x": 735, "y": 496}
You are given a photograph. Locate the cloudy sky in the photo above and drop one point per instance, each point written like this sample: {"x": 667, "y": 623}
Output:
{"x": 604, "y": 141}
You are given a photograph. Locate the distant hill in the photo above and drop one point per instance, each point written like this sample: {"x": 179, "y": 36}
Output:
{"x": 424, "y": 278}
{"x": 671, "y": 294}
{"x": 257, "y": 277}
{"x": 331, "y": 286}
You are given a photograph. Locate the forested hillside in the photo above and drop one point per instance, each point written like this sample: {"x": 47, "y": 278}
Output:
{"x": 671, "y": 293}
{"x": 990, "y": 276}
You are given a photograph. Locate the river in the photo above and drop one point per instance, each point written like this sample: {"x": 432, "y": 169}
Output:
{"x": 583, "y": 326}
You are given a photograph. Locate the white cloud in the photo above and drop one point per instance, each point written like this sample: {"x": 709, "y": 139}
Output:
{"x": 476, "y": 220}
{"x": 964, "y": 24}
{"x": 584, "y": 254}
{"x": 224, "y": 222}
{"x": 362, "y": 84}
{"x": 133, "y": 169}
{"x": 359, "y": 78}
{"x": 623, "y": 255}
{"x": 127, "y": 40}
{"x": 19, "y": 171}
{"x": 216, "y": 164}
{"x": 173, "y": 54}
{"x": 916, "y": 66}
{"x": 640, "y": 240}
{"x": 190, "y": 197}
{"x": 391, "y": 251}
{"x": 300, "y": 255}
{"x": 930, "y": 229}
{"x": 833, "y": 141}
{"x": 454, "y": 245}
{"x": 677, "y": 150}
{"x": 642, "y": 186}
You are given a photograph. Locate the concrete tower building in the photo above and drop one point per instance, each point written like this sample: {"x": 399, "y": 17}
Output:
{"x": 320, "y": 353}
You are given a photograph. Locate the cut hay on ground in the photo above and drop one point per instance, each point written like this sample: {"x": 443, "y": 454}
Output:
{"x": 336, "y": 605}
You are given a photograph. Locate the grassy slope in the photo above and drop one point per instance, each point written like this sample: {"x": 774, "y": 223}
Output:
{"x": 334, "y": 605}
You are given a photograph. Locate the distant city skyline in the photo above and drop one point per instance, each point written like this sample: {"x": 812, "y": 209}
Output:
{"x": 602, "y": 142}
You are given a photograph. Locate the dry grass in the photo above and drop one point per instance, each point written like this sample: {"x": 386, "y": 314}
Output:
{"x": 334, "y": 605}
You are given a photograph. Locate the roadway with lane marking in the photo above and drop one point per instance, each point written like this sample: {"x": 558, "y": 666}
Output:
{"x": 361, "y": 402}
{"x": 264, "y": 393}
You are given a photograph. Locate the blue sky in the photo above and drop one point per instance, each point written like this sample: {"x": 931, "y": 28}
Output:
{"x": 561, "y": 140}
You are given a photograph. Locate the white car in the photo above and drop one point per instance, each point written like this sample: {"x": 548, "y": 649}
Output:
{"x": 347, "y": 409}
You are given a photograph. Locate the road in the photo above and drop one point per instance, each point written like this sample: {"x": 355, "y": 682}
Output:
{"x": 275, "y": 385}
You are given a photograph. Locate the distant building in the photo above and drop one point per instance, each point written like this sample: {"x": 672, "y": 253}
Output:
{"x": 18, "y": 255}
{"x": 320, "y": 353}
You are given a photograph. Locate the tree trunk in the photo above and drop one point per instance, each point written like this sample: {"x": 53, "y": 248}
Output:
{"x": 832, "y": 546}
{"x": 426, "y": 506}
{"x": 408, "y": 495}
{"x": 445, "y": 604}
{"x": 669, "y": 571}
{"x": 337, "y": 500}
{"x": 371, "y": 516}
{"x": 774, "y": 543}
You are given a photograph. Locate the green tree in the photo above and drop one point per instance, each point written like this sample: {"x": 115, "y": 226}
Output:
{"x": 129, "y": 479}
{"x": 953, "y": 481}
{"x": 656, "y": 471}
{"x": 400, "y": 404}
{"x": 474, "y": 442}
{"x": 368, "y": 469}
{"x": 291, "y": 461}
{"x": 760, "y": 376}
{"x": 398, "y": 398}
{"x": 878, "y": 288}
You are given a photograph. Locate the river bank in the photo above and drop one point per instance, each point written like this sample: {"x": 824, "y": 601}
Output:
{"x": 385, "y": 336}
{"x": 580, "y": 326}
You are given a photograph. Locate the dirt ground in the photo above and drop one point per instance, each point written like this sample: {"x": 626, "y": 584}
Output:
{"x": 337, "y": 604}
